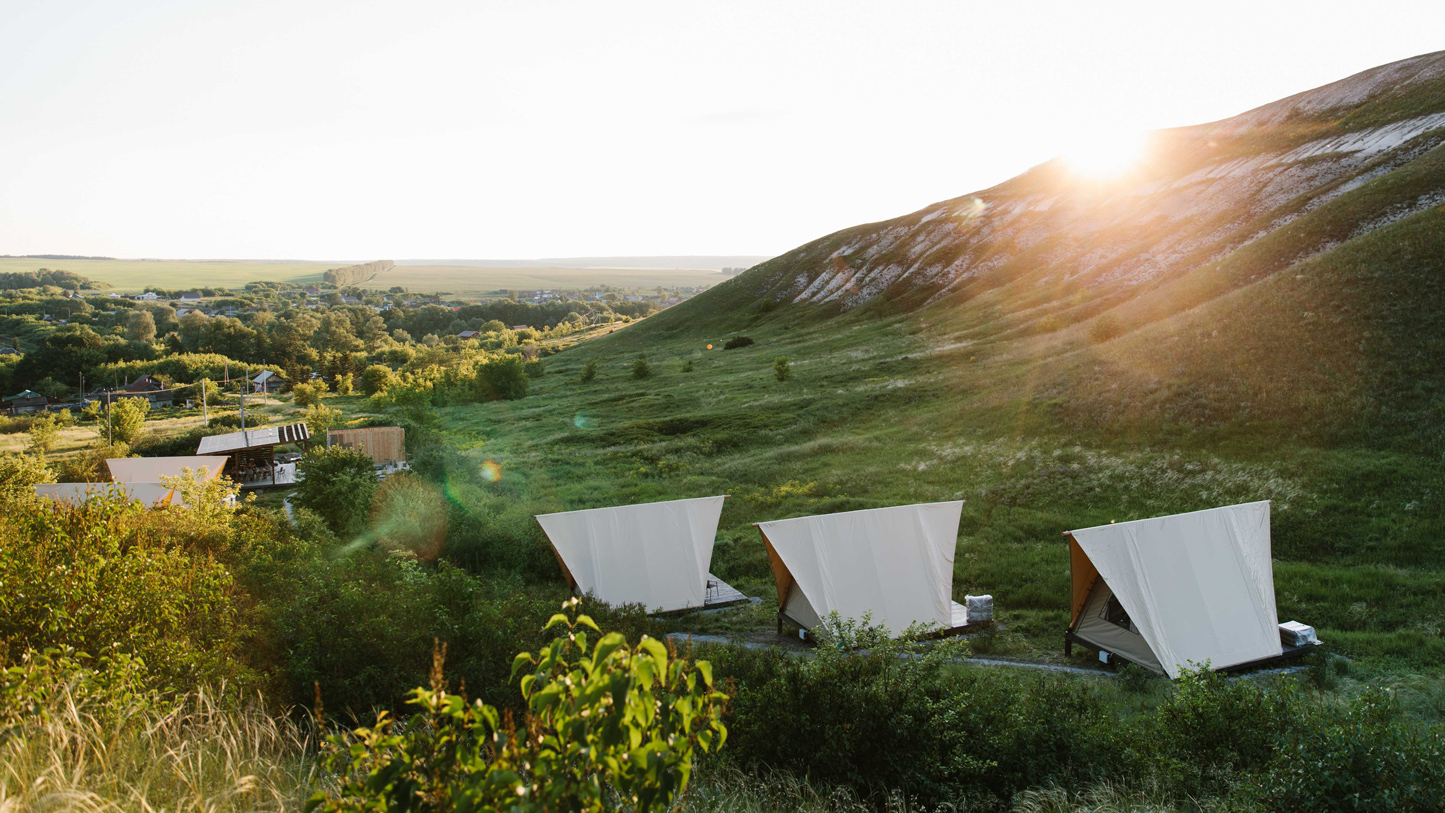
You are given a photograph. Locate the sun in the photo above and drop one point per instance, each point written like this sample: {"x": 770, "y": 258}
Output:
{"x": 1105, "y": 153}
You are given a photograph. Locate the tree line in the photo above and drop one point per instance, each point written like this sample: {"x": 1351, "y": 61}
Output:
{"x": 354, "y": 274}
{"x": 60, "y": 278}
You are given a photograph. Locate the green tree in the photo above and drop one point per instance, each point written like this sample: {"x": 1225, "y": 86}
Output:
{"x": 309, "y": 394}
{"x": 140, "y": 326}
{"x": 589, "y": 370}
{"x": 640, "y": 368}
{"x": 504, "y": 378}
{"x": 782, "y": 370}
{"x": 128, "y": 420}
{"x": 337, "y": 483}
{"x": 44, "y": 431}
{"x": 344, "y": 384}
{"x": 320, "y": 419}
{"x": 603, "y": 718}
{"x": 19, "y": 473}
{"x": 377, "y": 378}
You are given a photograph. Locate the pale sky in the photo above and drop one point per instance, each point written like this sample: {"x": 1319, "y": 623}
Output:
{"x": 358, "y": 130}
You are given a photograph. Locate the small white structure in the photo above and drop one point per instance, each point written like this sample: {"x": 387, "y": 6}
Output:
{"x": 1173, "y": 591}
{"x": 894, "y": 565}
{"x": 653, "y": 554}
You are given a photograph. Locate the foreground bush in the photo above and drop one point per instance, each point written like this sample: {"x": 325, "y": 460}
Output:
{"x": 114, "y": 576}
{"x": 606, "y": 722}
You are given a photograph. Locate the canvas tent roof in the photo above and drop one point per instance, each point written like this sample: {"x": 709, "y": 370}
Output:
{"x": 1196, "y": 587}
{"x": 253, "y": 438}
{"x": 152, "y": 469}
{"x": 654, "y": 554}
{"x": 894, "y": 563}
{"x": 151, "y": 494}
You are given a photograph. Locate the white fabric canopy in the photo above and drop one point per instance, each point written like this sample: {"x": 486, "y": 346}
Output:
{"x": 653, "y": 554}
{"x": 151, "y": 494}
{"x": 1199, "y": 586}
{"x": 895, "y": 563}
{"x": 152, "y": 469}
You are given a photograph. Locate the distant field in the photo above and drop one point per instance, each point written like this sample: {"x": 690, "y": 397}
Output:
{"x": 135, "y": 275}
{"x": 474, "y": 280}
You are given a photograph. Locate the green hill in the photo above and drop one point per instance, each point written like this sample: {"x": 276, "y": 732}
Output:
{"x": 1255, "y": 313}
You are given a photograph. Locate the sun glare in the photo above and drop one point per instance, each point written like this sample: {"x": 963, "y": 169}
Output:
{"x": 1105, "y": 153}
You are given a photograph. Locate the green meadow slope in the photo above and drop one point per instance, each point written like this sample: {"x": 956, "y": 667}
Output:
{"x": 1227, "y": 325}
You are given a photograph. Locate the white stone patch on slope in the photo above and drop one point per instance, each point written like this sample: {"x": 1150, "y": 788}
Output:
{"x": 1368, "y": 142}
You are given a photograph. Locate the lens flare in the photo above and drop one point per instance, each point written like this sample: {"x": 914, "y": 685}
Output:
{"x": 409, "y": 515}
{"x": 492, "y": 471}
{"x": 709, "y": 347}
{"x": 583, "y": 420}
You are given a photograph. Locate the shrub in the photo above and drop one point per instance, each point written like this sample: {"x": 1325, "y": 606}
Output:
{"x": 687, "y": 366}
{"x": 1365, "y": 758}
{"x": 88, "y": 465}
{"x": 1105, "y": 327}
{"x": 589, "y": 370}
{"x": 338, "y": 484}
{"x": 345, "y": 384}
{"x": 736, "y": 342}
{"x": 504, "y": 378}
{"x": 376, "y": 378}
{"x": 640, "y": 368}
{"x": 603, "y": 719}
{"x": 321, "y": 418}
{"x": 113, "y": 576}
{"x": 20, "y": 473}
{"x": 127, "y": 420}
{"x": 781, "y": 369}
{"x": 882, "y": 717}
{"x": 309, "y": 394}
{"x": 44, "y": 431}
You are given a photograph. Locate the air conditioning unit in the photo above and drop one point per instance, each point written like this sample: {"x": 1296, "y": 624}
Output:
{"x": 1293, "y": 633}
{"x": 980, "y": 608}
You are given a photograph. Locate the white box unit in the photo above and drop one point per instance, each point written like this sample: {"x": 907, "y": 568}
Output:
{"x": 1293, "y": 633}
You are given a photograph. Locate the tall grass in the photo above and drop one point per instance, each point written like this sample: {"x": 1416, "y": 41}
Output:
{"x": 201, "y": 753}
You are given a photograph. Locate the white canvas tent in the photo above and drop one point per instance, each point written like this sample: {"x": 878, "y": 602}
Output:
{"x": 1177, "y": 590}
{"x": 152, "y": 495}
{"x": 653, "y": 554}
{"x": 152, "y": 469}
{"x": 895, "y": 564}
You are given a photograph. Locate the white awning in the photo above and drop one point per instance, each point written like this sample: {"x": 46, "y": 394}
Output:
{"x": 1199, "y": 586}
{"x": 895, "y": 563}
{"x": 152, "y": 469}
{"x": 653, "y": 554}
{"x": 150, "y": 494}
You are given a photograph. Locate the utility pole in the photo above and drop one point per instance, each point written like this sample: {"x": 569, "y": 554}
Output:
{"x": 205, "y": 415}
{"x": 243, "y": 403}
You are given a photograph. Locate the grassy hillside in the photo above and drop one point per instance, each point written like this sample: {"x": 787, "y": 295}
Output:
{"x": 1255, "y": 313}
{"x": 927, "y": 406}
